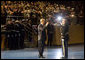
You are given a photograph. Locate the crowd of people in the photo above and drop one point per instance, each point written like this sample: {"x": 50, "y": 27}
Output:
{"x": 34, "y": 10}
{"x": 16, "y": 14}
{"x": 16, "y": 32}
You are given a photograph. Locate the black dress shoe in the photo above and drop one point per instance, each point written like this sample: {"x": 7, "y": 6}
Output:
{"x": 63, "y": 57}
{"x": 40, "y": 56}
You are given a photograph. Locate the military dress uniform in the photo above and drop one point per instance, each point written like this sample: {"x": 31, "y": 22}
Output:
{"x": 10, "y": 36}
{"x": 65, "y": 38}
{"x": 20, "y": 34}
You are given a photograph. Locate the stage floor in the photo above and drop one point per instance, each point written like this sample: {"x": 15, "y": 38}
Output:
{"x": 74, "y": 52}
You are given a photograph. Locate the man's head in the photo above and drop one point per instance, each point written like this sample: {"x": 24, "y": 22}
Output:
{"x": 30, "y": 21}
{"x": 17, "y": 21}
{"x": 63, "y": 21}
{"x": 42, "y": 21}
{"x": 9, "y": 21}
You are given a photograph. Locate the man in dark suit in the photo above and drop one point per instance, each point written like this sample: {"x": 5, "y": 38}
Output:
{"x": 65, "y": 37}
{"x": 41, "y": 36}
{"x": 50, "y": 31}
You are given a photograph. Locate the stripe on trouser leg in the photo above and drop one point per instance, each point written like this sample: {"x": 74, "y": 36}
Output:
{"x": 63, "y": 47}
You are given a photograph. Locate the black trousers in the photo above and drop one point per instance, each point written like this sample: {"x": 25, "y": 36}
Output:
{"x": 41, "y": 44}
{"x": 13, "y": 42}
{"x": 9, "y": 39}
{"x": 17, "y": 38}
{"x": 50, "y": 39}
{"x": 65, "y": 48}
{"x": 22, "y": 35}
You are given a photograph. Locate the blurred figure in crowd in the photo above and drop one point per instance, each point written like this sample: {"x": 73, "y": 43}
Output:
{"x": 50, "y": 32}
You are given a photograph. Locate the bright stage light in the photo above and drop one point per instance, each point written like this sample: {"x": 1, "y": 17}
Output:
{"x": 59, "y": 18}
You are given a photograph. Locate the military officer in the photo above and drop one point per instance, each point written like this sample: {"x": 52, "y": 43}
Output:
{"x": 64, "y": 37}
{"x": 20, "y": 34}
{"x": 9, "y": 34}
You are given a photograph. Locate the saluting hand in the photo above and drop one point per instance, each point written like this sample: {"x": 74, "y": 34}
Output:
{"x": 47, "y": 23}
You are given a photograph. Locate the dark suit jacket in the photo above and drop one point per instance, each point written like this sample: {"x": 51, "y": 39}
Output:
{"x": 41, "y": 32}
